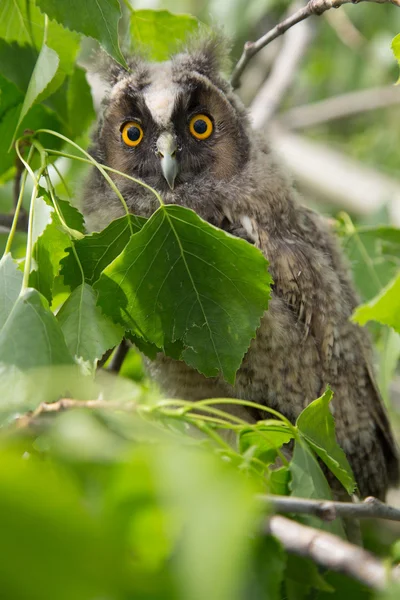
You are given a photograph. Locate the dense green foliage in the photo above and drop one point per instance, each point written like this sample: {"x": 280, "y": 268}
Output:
{"x": 135, "y": 496}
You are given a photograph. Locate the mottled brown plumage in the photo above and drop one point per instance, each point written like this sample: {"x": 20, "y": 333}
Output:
{"x": 305, "y": 340}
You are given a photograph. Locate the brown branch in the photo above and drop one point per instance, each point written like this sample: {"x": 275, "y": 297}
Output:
{"x": 370, "y": 508}
{"x": 7, "y": 219}
{"x": 339, "y": 107}
{"x": 29, "y": 419}
{"x": 313, "y": 7}
{"x": 269, "y": 97}
{"x": 330, "y": 551}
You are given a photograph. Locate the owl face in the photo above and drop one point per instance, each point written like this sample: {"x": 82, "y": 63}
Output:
{"x": 173, "y": 124}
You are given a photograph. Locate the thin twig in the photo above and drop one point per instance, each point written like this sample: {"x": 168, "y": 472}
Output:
{"x": 330, "y": 551}
{"x": 339, "y": 107}
{"x": 270, "y": 95}
{"x": 370, "y": 508}
{"x": 29, "y": 419}
{"x": 313, "y": 7}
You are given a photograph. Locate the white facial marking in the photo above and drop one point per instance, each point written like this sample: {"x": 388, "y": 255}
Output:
{"x": 160, "y": 95}
{"x": 247, "y": 225}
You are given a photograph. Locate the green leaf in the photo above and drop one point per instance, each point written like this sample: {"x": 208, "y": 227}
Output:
{"x": 270, "y": 562}
{"x": 97, "y": 250}
{"x": 266, "y": 437}
{"x": 42, "y": 504}
{"x": 95, "y": 18}
{"x": 48, "y": 250}
{"x": 317, "y": 425}
{"x": 79, "y": 103}
{"x": 71, "y": 215}
{"x": 88, "y": 333}
{"x": 344, "y": 587}
{"x": 52, "y": 244}
{"x": 180, "y": 278}
{"x": 396, "y": 49}
{"x": 39, "y": 116}
{"x": 308, "y": 481}
{"x": 21, "y": 21}
{"x": 302, "y": 576}
{"x": 159, "y": 33}
{"x": 44, "y": 71}
{"x": 17, "y": 64}
{"x": 31, "y": 336}
{"x": 10, "y": 286}
{"x": 278, "y": 481}
{"x": 384, "y": 308}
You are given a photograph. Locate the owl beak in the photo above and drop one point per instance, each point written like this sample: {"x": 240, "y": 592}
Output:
{"x": 166, "y": 146}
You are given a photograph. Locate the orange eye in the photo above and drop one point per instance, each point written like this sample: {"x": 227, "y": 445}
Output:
{"x": 201, "y": 127}
{"x": 132, "y": 133}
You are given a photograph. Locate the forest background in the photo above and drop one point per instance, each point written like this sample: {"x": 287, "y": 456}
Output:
{"x": 112, "y": 491}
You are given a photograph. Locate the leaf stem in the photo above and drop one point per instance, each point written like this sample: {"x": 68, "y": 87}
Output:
{"x": 67, "y": 229}
{"x": 18, "y": 205}
{"x": 277, "y": 414}
{"x": 62, "y": 179}
{"x": 110, "y": 169}
{"x": 29, "y": 242}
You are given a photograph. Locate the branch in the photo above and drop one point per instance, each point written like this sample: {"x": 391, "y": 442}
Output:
{"x": 339, "y": 107}
{"x": 330, "y": 551}
{"x": 370, "y": 508}
{"x": 29, "y": 419}
{"x": 7, "y": 219}
{"x": 269, "y": 96}
{"x": 313, "y": 7}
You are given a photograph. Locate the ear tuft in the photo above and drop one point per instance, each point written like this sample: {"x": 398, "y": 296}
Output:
{"x": 207, "y": 53}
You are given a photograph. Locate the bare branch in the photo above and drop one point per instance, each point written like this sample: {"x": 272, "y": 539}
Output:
{"x": 313, "y": 7}
{"x": 339, "y": 107}
{"x": 370, "y": 508}
{"x": 269, "y": 96}
{"x": 7, "y": 219}
{"x": 67, "y": 403}
{"x": 329, "y": 551}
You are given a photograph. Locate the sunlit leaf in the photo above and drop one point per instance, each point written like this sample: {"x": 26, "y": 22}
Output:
{"x": 159, "y": 31}
{"x": 21, "y": 21}
{"x": 88, "y": 333}
{"x": 97, "y": 250}
{"x": 52, "y": 243}
{"x": 44, "y": 71}
{"x": 180, "y": 278}
{"x": 266, "y": 437}
{"x": 95, "y": 18}
{"x": 396, "y": 48}
{"x": 384, "y": 308}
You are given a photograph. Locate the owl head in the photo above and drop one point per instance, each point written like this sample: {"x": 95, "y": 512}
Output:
{"x": 174, "y": 124}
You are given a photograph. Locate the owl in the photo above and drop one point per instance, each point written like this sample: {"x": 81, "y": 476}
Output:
{"x": 179, "y": 127}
